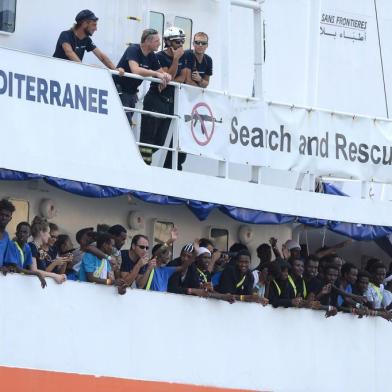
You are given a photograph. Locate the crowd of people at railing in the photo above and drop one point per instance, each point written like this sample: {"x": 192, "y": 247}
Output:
{"x": 286, "y": 278}
{"x": 173, "y": 63}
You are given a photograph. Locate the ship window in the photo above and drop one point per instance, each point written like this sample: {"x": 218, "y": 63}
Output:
{"x": 157, "y": 22}
{"x": 185, "y": 24}
{"x": 220, "y": 237}
{"x": 7, "y": 15}
{"x": 162, "y": 232}
{"x": 21, "y": 214}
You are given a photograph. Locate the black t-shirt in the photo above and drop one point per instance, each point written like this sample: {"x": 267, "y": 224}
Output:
{"x": 174, "y": 263}
{"x": 301, "y": 287}
{"x": 204, "y": 68}
{"x": 127, "y": 263}
{"x": 231, "y": 282}
{"x": 193, "y": 279}
{"x": 329, "y": 299}
{"x": 314, "y": 285}
{"x": 79, "y": 46}
{"x": 166, "y": 61}
{"x": 134, "y": 53}
{"x": 281, "y": 293}
{"x": 42, "y": 257}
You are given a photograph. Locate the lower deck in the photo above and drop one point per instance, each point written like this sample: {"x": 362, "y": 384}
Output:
{"x": 72, "y": 212}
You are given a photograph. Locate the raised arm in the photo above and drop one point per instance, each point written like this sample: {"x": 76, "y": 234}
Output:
{"x": 333, "y": 249}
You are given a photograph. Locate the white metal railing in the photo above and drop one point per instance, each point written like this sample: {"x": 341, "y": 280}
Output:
{"x": 223, "y": 166}
{"x": 175, "y": 117}
{"x": 173, "y": 132}
{"x": 331, "y": 112}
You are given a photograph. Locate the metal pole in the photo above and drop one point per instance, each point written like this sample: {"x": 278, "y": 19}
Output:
{"x": 253, "y": 4}
{"x": 258, "y": 50}
{"x": 313, "y": 52}
{"x": 176, "y": 129}
{"x": 225, "y": 33}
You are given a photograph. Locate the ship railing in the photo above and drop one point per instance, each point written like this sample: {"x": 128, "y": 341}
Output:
{"x": 304, "y": 181}
{"x": 173, "y": 133}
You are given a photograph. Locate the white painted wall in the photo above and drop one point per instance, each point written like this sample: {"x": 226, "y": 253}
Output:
{"x": 301, "y": 66}
{"x": 89, "y": 329}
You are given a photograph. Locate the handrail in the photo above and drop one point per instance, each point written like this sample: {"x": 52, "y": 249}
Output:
{"x": 223, "y": 168}
{"x": 152, "y": 114}
{"x": 182, "y": 85}
{"x": 332, "y": 112}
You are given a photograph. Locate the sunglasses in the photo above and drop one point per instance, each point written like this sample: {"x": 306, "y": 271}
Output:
{"x": 178, "y": 41}
{"x": 200, "y": 43}
{"x": 143, "y": 247}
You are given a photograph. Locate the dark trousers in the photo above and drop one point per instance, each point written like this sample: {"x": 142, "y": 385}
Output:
{"x": 129, "y": 100}
{"x": 154, "y": 130}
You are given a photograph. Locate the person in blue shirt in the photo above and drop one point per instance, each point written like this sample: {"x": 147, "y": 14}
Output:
{"x": 20, "y": 250}
{"x": 347, "y": 281}
{"x": 99, "y": 270}
{"x": 18, "y": 257}
{"x": 155, "y": 274}
{"x": 6, "y": 211}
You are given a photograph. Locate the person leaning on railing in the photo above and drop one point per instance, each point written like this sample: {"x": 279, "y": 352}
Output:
{"x": 160, "y": 98}
{"x": 73, "y": 43}
{"x": 199, "y": 63}
{"x": 237, "y": 280}
{"x": 139, "y": 59}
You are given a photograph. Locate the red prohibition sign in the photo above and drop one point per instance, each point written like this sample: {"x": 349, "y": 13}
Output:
{"x": 195, "y": 117}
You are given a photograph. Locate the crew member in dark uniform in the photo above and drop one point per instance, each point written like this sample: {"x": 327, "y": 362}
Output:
{"x": 73, "y": 43}
{"x": 139, "y": 59}
{"x": 161, "y": 98}
{"x": 199, "y": 63}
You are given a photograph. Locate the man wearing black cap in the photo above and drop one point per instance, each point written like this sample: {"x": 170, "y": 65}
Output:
{"x": 73, "y": 43}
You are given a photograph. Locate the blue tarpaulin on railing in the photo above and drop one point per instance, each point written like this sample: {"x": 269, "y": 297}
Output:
{"x": 202, "y": 209}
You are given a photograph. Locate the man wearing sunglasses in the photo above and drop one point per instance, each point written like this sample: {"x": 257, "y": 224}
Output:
{"x": 161, "y": 98}
{"x": 199, "y": 63}
{"x": 140, "y": 59}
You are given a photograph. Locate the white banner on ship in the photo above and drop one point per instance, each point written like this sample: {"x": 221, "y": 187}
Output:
{"x": 250, "y": 132}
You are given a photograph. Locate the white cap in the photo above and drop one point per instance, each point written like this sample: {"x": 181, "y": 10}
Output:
{"x": 203, "y": 250}
{"x": 173, "y": 32}
{"x": 291, "y": 244}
